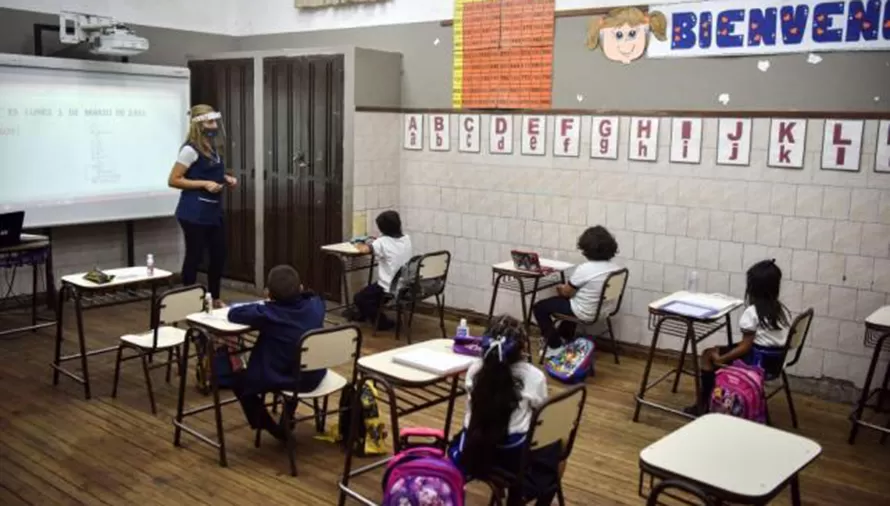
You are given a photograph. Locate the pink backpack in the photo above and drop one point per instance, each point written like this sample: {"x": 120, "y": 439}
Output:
{"x": 738, "y": 391}
{"x": 422, "y": 474}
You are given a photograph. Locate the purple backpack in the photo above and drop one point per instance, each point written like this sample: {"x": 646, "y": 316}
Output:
{"x": 738, "y": 391}
{"x": 421, "y": 474}
{"x": 574, "y": 363}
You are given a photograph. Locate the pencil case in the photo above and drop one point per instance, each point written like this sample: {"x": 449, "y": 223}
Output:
{"x": 471, "y": 346}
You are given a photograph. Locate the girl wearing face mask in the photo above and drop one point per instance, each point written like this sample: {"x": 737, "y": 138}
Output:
{"x": 200, "y": 173}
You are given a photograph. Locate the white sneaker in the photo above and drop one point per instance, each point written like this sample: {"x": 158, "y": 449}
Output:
{"x": 553, "y": 352}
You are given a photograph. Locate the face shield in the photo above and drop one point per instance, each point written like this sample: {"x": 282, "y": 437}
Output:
{"x": 215, "y": 135}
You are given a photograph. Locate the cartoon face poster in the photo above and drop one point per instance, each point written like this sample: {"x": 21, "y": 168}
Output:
{"x": 623, "y": 33}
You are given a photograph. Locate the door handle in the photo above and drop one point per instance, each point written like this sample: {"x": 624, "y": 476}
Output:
{"x": 299, "y": 159}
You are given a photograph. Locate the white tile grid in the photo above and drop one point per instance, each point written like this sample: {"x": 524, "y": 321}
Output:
{"x": 830, "y": 233}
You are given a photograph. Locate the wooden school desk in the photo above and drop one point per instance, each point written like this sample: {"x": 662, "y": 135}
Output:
{"x": 415, "y": 389}
{"x": 730, "y": 459}
{"x": 33, "y": 250}
{"x": 75, "y": 286}
{"x": 351, "y": 260}
{"x": 518, "y": 280}
{"x": 213, "y": 328}
{"x": 693, "y": 330}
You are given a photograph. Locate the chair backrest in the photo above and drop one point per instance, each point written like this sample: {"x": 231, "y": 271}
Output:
{"x": 797, "y": 336}
{"x": 558, "y": 420}
{"x": 176, "y": 304}
{"x": 435, "y": 265}
{"x": 688, "y": 488}
{"x": 612, "y": 293}
{"x": 329, "y": 347}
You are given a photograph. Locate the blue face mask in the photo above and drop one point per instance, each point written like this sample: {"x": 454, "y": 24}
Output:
{"x": 211, "y": 133}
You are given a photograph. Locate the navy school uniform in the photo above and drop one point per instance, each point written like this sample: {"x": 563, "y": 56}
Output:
{"x": 272, "y": 365}
{"x": 202, "y": 207}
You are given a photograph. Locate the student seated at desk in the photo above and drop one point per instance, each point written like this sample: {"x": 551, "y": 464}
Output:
{"x": 288, "y": 313}
{"x": 502, "y": 391}
{"x": 581, "y": 295}
{"x": 764, "y": 326}
{"x": 392, "y": 250}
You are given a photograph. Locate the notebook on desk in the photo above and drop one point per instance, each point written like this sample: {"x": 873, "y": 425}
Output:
{"x": 434, "y": 362}
{"x": 699, "y": 305}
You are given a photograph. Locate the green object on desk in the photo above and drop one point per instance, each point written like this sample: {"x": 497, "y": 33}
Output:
{"x": 98, "y": 277}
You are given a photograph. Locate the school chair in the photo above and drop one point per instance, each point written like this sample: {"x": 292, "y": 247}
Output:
{"x": 555, "y": 422}
{"x": 424, "y": 276}
{"x": 608, "y": 306}
{"x": 319, "y": 349}
{"x": 682, "y": 486}
{"x": 171, "y": 307}
{"x": 790, "y": 354}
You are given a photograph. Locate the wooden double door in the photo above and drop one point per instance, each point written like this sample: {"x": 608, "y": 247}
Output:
{"x": 302, "y": 176}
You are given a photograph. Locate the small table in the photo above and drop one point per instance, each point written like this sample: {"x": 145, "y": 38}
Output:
{"x": 76, "y": 286}
{"x": 877, "y": 332}
{"x": 693, "y": 330}
{"x": 760, "y": 462}
{"x": 351, "y": 260}
{"x": 555, "y": 275}
{"x": 212, "y": 327}
{"x": 440, "y": 388}
{"x": 32, "y": 250}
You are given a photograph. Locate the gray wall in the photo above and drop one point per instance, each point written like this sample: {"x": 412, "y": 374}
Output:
{"x": 841, "y": 82}
{"x": 377, "y": 78}
{"x": 168, "y": 47}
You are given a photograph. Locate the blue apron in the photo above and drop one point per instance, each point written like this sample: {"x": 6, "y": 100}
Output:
{"x": 202, "y": 207}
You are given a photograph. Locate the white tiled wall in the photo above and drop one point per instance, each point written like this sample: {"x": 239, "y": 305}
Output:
{"x": 80, "y": 248}
{"x": 829, "y": 231}
{"x": 376, "y": 173}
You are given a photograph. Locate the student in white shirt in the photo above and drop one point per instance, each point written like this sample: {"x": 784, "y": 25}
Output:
{"x": 503, "y": 389}
{"x": 764, "y": 326}
{"x": 581, "y": 295}
{"x": 392, "y": 250}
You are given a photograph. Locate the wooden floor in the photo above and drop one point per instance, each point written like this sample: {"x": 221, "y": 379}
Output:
{"x": 56, "y": 448}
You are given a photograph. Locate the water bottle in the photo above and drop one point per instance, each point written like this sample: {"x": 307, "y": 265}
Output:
{"x": 692, "y": 282}
{"x": 150, "y": 264}
{"x": 463, "y": 330}
{"x": 208, "y": 302}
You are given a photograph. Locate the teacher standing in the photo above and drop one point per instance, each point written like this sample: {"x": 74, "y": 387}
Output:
{"x": 200, "y": 173}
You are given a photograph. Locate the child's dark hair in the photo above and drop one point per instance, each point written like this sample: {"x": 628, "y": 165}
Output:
{"x": 283, "y": 283}
{"x": 596, "y": 243}
{"x": 764, "y": 282}
{"x": 495, "y": 395}
{"x": 390, "y": 224}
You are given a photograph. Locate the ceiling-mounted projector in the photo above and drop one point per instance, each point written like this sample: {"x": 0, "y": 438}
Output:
{"x": 102, "y": 34}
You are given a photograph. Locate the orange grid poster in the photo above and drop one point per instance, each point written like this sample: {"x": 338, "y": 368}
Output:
{"x": 503, "y": 54}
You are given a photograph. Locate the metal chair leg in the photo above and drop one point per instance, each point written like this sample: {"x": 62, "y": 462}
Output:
{"x": 440, "y": 302}
{"x": 117, "y": 371}
{"x": 169, "y": 364}
{"x": 787, "y": 389}
{"x": 151, "y": 395}
{"x": 614, "y": 340}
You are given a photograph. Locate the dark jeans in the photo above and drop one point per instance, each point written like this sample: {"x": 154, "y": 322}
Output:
{"x": 199, "y": 238}
{"x": 367, "y": 301}
{"x": 252, "y": 404}
{"x": 544, "y": 311}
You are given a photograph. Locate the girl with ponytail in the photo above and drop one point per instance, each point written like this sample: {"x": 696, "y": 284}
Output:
{"x": 502, "y": 391}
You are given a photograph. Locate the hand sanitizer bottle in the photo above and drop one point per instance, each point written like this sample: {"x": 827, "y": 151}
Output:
{"x": 208, "y": 302}
{"x": 462, "y": 329}
{"x": 150, "y": 264}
